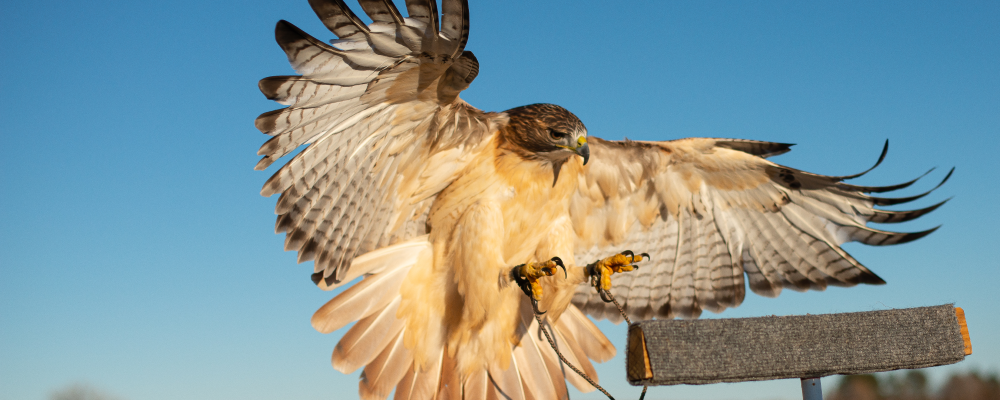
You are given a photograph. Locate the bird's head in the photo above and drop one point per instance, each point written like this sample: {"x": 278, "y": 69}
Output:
{"x": 547, "y": 132}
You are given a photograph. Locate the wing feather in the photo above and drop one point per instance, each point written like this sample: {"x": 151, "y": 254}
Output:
{"x": 702, "y": 255}
{"x": 666, "y": 252}
{"x": 339, "y": 18}
{"x": 305, "y": 93}
{"x": 424, "y": 11}
{"x": 682, "y": 289}
{"x": 720, "y": 211}
{"x": 790, "y": 248}
{"x": 381, "y": 11}
{"x": 383, "y": 128}
{"x": 728, "y": 278}
{"x": 892, "y": 217}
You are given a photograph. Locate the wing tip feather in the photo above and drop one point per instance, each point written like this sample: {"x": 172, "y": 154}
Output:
{"x": 889, "y": 201}
{"x": 881, "y": 157}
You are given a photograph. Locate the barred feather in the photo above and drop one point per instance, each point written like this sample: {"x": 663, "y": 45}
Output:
{"x": 339, "y": 192}
{"x": 723, "y": 211}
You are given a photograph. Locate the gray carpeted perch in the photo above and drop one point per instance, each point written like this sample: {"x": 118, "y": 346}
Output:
{"x": 672, "y": 352}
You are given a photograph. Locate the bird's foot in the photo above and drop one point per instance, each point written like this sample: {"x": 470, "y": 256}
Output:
{"x": 601, "y": 271}
{"x": 527, "y": 275}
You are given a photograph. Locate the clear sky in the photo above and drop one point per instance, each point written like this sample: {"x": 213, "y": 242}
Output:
{"x": 137, "y": 256}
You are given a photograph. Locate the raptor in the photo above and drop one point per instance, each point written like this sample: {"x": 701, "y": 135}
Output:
{"x": 455, "y": 226}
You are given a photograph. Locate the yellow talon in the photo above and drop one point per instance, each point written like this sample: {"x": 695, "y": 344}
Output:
{"x": 527, "y": 276}
{"x": 601, "y": 271}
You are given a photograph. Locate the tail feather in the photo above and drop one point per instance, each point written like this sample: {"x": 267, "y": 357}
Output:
{"x": 556, "y": 373}
{"x": 535, "y": 371}
{"x": 406, "y": 389}
{"x": 575, "y": 355}
{"x": 593, "y": 342}
{"x": 377, "y": 343}
{"x": 385, "y": 371}
{"x": 359, "y": 301}
{"x": 534, "y": 375}
{"x": 399, "y": 255}
{"x": 420, "y": 384}
{"x": 507, "y": 383}
{"x": 476, "y": 385}
{"x": 366, "y": 339}
{"x": 449, "y": 387}
{"x": 491, "y": 392}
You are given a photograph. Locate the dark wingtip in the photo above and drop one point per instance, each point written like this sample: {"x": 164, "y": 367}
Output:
{"x": 892, "y": 217}
{"x": 318, "y": 277}
{"x": 916, "y": 235}
{"x": 885, "y": 150}
{"x": 265, "y": 122}
{"x": 885, "y": 201}
{"x": 881, "y": 157}
{"x": 777, "y": 150}
{"x": 883, "y": 189}
{"x": 470, "y": 55}
{"x": 269, "y": 86}
{"x": 782, "y": 149}
{"x": 870, "y": 279}
{"x": 950, "y": 171}
{"x": 285, "y": 33}
{"x": 283, "y": 26}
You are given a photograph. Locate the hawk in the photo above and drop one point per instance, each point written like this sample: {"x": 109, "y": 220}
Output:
{"x": 447, "y": 213}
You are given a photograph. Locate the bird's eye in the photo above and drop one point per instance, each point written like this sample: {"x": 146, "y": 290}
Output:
{"x": 557, "y": 135}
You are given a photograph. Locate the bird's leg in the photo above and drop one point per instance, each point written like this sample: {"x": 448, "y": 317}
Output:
{"x": 527, "y": 275}
{"x": 600, "y": 272}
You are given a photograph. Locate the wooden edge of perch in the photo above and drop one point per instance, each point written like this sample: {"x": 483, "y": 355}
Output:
{"x": 638, "y": 357}
{"x": 960, "y": 313}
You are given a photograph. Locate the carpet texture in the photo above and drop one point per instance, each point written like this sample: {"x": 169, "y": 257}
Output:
{"x": 753, "y": 349}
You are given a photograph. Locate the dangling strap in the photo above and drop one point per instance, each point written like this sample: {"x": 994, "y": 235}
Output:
{"x": 571, "y": 366}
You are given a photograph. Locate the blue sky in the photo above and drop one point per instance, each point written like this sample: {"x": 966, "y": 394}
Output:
{"x": 137, "y": 256}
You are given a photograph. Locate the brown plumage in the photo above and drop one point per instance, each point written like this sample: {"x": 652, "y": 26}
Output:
{"x": 433, "y": 202}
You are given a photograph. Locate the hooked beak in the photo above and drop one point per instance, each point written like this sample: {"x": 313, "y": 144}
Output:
{"x": 583, "y": 149}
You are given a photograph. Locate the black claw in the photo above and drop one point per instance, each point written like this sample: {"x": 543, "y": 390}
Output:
{"x": 559, "y": 262}
{"x": 629, "y": 253}
{"x": 646, "y": 255}
{"x": 604, "y": 295}
{"x": 525, "y": 285}
{"x": 534, "y": 306}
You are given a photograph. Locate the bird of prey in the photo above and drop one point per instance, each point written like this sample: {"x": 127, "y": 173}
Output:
{"x": 452, "y": 222}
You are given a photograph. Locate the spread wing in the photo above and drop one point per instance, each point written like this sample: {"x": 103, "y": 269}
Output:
{"x": 709, "y": 211}
{"x": 383, "y": 128}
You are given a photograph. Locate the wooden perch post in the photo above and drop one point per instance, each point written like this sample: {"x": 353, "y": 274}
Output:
{"x": 694, "y": 352}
